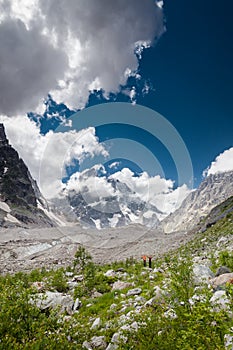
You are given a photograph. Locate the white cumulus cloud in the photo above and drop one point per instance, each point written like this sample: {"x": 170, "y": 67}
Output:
{"x": 222, "y": 163}
{"x": 154, "y": 191}
{"x": 48, "y": 155}
{"x": 67, "y": 48}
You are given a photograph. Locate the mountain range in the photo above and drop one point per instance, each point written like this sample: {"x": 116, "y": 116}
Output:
{"x": 22, "y": 204}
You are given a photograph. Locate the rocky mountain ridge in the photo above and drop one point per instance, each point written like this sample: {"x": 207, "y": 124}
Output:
{"x": 19, "y": 193}
{"x": 21, "y": 203}
{"x": 213, "y": 190}
{"x": 114, "y": 211}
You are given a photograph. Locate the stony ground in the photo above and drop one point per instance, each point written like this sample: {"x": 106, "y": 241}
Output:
{"x": 185, "y": 301}
{"x": 24, "y": 249}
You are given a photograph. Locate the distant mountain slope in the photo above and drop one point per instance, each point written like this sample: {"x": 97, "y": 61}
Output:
{"x": 213, "y": 190}
{"x": 26, "y": 249}
{"x": 221, "y": 211}
{"x": 120, "y": 209}
{"x": 19, "y": 193}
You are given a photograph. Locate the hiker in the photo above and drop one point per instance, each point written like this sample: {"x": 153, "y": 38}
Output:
{"x": 150, "y": 263}
{"x": 144, "y": 260}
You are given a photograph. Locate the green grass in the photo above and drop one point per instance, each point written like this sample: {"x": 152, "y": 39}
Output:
{"x": 195, "y": 327}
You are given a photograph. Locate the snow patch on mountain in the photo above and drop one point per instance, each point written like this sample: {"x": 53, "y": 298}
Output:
{"x": 99, "y": 201}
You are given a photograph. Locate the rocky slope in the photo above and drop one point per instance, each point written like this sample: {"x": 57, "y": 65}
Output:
{"x": 22, "y": 250}
{"x": 19, "y": 194}
{"x": 212, "y": 191}
{"x": 183, "y": 301}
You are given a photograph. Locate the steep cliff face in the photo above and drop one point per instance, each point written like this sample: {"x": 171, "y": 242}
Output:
{"x": 18, "y": 191}
{"x": 212, "y": 191}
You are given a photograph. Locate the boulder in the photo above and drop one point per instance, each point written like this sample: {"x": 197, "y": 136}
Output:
{"x": 113, "y": 306}
{"x": 78, "y": 278}
{"x": 54, "y": 300}
{"x": 96, "y": 324}
{"x": 222, "y": 270}
{"x": 87, "y": 345}
{"x": 119, "y": 285}
{"x": 69, "y": 274}
{"x": 110, "y": 273}
{"x": 202, "y": 273}
{"x": 139, "y": 299}
{"x": 77, "y": 304}
{"x": 96, "y": 294}
{"x": 228, "y": 341}
{"x": 135, "y": 291}
{"x": 222, "y": 280}
{"x": 98, "y": 342}
{"x": 72, "y": 285}
{"x": 220, "y": 301}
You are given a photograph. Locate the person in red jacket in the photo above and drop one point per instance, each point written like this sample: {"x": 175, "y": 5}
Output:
{"x": 144, "y": 260}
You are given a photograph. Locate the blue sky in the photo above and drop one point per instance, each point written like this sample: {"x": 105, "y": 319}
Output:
{"x": 190, "y": 69}
{"x": 53, "y": 55}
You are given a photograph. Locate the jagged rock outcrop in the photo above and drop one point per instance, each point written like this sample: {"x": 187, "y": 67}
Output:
{"x": 19, "y": 193}
{"x": 212, "y": 191}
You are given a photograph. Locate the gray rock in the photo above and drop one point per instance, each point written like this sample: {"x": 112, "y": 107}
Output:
{"x": 78, "y": 278}
{"x": 134, "y": 326}
{"x": 170, "y": 314}
{"x": 151, "y": 302}
{"x": 158, "y": 270}
{"x": 113, "y": 306}
{"x": 96, "y": 324}
{"x": 119, "y": 285}
{"x": 69, "y": 274}
{"x": 228, "y": 341}
{"x": 54, "y": 300}
{"x": 158, "y": 293}
{"x": 126, "y": 327}
{"x": 110, "y": 273}
{"x": 158, "y": 297}
{"x": 135, "y": 291}
{"x": 72, "y": 285}
{"x": 124, "y": 308}
{"x": 139, "y": 299}
{"x": 96, "y": 295}
{"x": 222, "y": 240}
{"x": 77, "y": 304}
{"x": 87, "y": 345}
{"x": 115, "y": 338}
{"x": 98, "y": 342}
{"x": 202, "y": 273}
{"x": 222, "y": 270}
{"x": 220, "y": 301}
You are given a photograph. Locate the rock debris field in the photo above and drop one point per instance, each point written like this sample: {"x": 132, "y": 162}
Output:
{"x": 26, "y": 249}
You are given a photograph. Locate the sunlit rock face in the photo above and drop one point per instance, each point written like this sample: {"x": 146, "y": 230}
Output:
{"x": 213, "y": 190}
{"x": 19, "y": 194}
